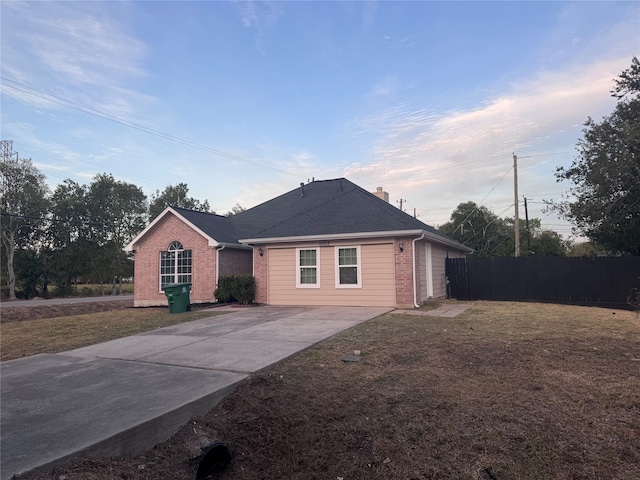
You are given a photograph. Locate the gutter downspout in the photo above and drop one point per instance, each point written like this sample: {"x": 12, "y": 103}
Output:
{"x": 218, "y": 250}
{"x": 415, "y": 279}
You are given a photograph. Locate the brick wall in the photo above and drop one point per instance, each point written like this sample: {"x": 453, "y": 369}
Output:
{"x": 235, "y": 261}
{"x": 404, "y": 272}
{"x": 261, "y": 273}
{"x": 147, "y": 263}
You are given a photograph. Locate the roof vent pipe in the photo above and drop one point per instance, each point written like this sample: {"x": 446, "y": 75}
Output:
{"x": 302, "y": 189}
{"x": 340, "y": 185}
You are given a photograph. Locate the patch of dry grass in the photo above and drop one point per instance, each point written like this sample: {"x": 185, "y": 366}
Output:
{"x": 520, "y": 390}
{"x": 51, "y": 335}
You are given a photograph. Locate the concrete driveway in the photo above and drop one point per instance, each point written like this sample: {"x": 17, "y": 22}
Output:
{"x": 124, "y": 396}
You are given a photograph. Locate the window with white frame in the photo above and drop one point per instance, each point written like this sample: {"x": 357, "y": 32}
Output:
{"x": 308, "y": 268}
{"x": 348, "y": 270}
{"x": 175, "y": 265}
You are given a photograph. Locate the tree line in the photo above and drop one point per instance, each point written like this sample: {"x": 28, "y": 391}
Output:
{"x": 75, "y": 231}
{"x": 479, "y": 228}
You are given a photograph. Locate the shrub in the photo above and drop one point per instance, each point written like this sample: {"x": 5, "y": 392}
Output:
{"x": 236, "y": 288}
{"x": 224, "y": 292}
{"x": 245, "y": 289}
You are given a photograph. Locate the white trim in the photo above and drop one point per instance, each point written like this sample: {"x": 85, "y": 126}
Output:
{"x": 210, "y": 241}
{"x": 175, "y": 274}
{"x": 337, "y": 236}
{"x": 218, "y": 250}
{"x": 347, "y": 236}
{"x": 415, "y": 277}
{"x": 299, "y": 284}
{"x": 337, "y": 266}
{"x": 429, "y": 264}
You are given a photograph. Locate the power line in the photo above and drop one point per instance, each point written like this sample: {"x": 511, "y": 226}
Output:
{"x": 485, "y": 197}
{"x": 105, "y": 116}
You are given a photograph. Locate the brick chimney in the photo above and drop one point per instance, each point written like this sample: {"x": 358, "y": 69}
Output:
{"x": 380, "y": 193}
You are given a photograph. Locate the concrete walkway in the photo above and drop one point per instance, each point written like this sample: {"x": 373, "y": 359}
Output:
{"x": 124, "y": 396}
{"x": 448, "y": 310}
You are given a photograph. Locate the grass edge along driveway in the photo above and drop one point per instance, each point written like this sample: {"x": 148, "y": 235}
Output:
{"x": 53, "y": 335}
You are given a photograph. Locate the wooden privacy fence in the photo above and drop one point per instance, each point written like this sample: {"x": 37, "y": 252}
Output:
{"x": 599, "y": 281}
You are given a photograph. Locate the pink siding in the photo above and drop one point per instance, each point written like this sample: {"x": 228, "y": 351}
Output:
{"x": 147, "y": 263}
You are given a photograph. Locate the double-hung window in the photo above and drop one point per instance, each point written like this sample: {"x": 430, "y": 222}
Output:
{"x": 348, "y": 267}
{"x": 175, "y": 265}
{"x": 308, "y": 268}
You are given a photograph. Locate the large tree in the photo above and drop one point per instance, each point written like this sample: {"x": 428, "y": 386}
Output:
{"x": 177, "y": 196}
{"x": 118, "y": 213}
{"x": 479, "y": 228}
{"x": 23, "y": 206}
{"x": 604, "y": 200}
{"x": 90, "y": 225}
{"x": 491, "y": 236}
{"x": 69, "y": 236}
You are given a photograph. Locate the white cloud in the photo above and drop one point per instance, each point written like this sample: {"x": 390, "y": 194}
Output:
{"x": 74, "y": 50}
{"x": 258, "y": 15}
{"x": 438, "y": 159}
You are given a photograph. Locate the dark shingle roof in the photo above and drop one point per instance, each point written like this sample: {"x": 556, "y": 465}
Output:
{"x": 328, "y": 207}
{"x": 216, "y": 226}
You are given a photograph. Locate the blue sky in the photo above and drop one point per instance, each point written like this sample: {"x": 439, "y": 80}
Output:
{"x": 244, "y": 100}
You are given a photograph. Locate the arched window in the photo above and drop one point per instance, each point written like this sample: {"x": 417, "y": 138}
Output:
{"x": 175, "y": 265}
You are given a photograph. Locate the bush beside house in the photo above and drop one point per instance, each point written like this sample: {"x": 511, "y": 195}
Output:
{"x": 236, "y": 288}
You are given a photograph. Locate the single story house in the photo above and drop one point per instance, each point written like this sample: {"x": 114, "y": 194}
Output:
{"x": 327, "y": 242}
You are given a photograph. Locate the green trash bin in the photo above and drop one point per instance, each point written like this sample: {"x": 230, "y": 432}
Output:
{"x": 178, "y": 297}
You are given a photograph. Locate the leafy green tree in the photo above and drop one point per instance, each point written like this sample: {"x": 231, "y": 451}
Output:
{"x": 536, "y": 241}
{"x": 30, "y": 272}
{"x": 177, "y": 196}
{"x": 491, "y": 236}
{"x": 549, "y": 244}
{"x": 237, "y": 208}
{"x": 604, "y": 200}
{"x": 69, "y": 235}
{"x": 118, "y": 213}
{"x": 585, "y": 249}
{"x": 479, "y": 228}
{"x": 90, "y": 226}
{"x": 118, "y": 209}
{"x": 23, "y": 207}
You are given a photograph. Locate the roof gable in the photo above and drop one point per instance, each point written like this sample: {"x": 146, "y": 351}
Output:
{"x": 214, "y": 228}
{"x": 212, "y": 225}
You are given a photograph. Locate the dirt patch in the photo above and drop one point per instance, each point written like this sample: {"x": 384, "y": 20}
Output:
{"x": 22, "y": 313}
{"x": 504, "y": 391}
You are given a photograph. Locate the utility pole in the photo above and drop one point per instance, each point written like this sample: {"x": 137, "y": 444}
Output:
{"x": 516, "y": 220}
{"x": 6, "y": 150}
{"x": 526, "y": 216}
{"x": 400, "y": 202}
